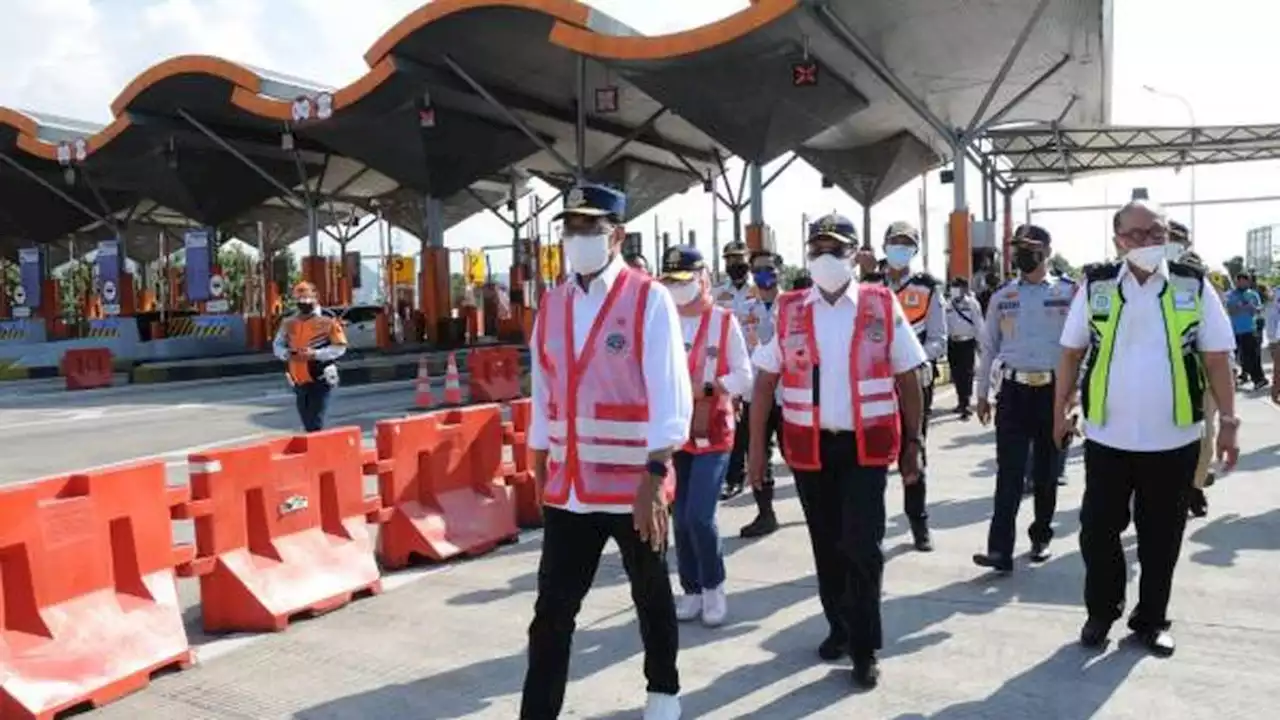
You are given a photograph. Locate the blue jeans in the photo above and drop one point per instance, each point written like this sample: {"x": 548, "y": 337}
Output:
{"x": 313, "y": 404}
{"x": 698, "y": 554}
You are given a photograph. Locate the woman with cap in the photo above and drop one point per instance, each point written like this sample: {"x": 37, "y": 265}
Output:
{"x": 848, "y": 364}
{"x": 719, "y": 373}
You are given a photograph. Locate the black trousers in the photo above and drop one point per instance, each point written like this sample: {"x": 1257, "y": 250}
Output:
{"x": 960, "y": 356}
{"x": 1157, "y": 484}
{"x": 843, "y": 507}
{"x": 737, "y": 473}
{"x": 915, "y": 496}
{"x": 312, "y": 400}
{"x": 1024, "y": 426}
{"x": 1250, "y": 356}
{"x": 571, "y": 547}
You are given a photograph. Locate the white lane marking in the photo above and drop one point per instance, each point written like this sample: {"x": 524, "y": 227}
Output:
{"x": 390, "y": 583}
{"x": 113, "y": 413}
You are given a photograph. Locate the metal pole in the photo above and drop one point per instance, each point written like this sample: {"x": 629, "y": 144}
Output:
{"x": 580, "y": 130}
{"x": 757, "y": 194}
{"x": 164, "y": 283}
{"x": 1191, "y": 115}
{"x": 715, "y": 237}
{"x": 924, "y": 219}
{"x": 263, "y": 261}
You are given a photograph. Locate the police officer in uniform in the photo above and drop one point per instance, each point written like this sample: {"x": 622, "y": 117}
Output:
{"x": 759, "y": 330}
{"x": 1149, "y": 333}
{"x": 1023, "y": 324}
{"x": 920, "y": 295}
{"x": 736, "y": 294}
{"x": 840, "y": 436}
{"x": 964, "y": 319}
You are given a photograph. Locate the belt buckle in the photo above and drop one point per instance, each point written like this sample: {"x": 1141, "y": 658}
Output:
{"x": 1034, "y": 379}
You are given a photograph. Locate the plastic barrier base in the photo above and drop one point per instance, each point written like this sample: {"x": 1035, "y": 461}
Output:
{"x": 281, "y": 530}
{"x": 90, "y": 603}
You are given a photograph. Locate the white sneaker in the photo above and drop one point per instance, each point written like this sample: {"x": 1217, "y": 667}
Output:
{"x": 688, "y": 607}
{"x": 714, "y": 607}
{"x": 662, "y": 707}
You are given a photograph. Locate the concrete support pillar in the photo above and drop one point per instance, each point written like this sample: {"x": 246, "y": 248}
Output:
{"x": 433, "y": 278}
{"x": 959, "y": 247}
{"x": 757, "y": 231}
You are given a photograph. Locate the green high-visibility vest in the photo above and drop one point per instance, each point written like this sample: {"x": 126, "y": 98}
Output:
{"x": 1181, "y": 308}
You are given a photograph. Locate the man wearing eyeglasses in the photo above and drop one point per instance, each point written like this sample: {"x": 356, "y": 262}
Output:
{"x": 1153, "y": 332}
{"x": 849, "y": 367}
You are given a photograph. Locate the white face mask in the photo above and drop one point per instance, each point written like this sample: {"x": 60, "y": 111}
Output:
{"x": 587, "y": 254}
{"x": 1173, "y": 252}
{"x": 684, "y": 293}
{"x": 1147, "y": 258}
{"x": 830, "y": 272}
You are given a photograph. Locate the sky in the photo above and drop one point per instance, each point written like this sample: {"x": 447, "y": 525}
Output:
{"x": 71, "y": 58}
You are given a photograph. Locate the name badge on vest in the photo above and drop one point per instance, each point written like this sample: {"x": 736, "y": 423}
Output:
{"x": 616, "y": 343}
{"x": 911, "y": 299}
{"x": 1184, "y": 301}
{"x": 1100, "y": 303}
{"x": 876, "y": 330}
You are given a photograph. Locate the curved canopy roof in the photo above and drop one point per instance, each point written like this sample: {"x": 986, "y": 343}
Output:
{"x": 461, "y": 90}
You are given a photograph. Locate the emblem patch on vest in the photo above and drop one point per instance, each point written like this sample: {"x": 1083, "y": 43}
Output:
{"x": 1100, "y": 303}
{"x": 616, "y": 343}
{"x": 1184, "y": 301}
{"x": 876, "y": 330}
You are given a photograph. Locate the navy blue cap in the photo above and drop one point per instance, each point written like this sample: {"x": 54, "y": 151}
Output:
{"x": 682, "y": 262}
{"x": 836, "y": 227}
{"x": 1031, "y": 233}
{"x": 594, "y": 201}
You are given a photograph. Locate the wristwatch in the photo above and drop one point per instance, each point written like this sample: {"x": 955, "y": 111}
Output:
{"x": 1229, "y": 421}
{"x": 656, "y": 469}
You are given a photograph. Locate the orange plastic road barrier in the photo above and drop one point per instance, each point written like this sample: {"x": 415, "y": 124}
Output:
{"x": 494, "y": 374}
{"x": 281, "y": 529}
{"x": 452, "y": 385}
{"x": 89, "y": 605}
{"x": 87, "y": 368}
{"x": 439, "y": 474}
{"x": 528, "y": 494}
{"x": 423, "y": 397}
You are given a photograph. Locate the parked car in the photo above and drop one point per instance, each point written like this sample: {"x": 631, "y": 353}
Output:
{"x": 361, "y": 322}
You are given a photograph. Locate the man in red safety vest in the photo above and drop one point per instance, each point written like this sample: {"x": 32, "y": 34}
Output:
{"x": 849, "y": 365}
{"x": 611, "y": 401}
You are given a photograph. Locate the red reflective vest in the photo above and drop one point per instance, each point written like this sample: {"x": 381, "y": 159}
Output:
{"x": 871, "y": 379}
{"x": 598, "y": 407}
{"x": 708, "y": 362}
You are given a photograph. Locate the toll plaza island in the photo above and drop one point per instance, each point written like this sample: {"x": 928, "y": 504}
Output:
{"x": 165, "y": 545}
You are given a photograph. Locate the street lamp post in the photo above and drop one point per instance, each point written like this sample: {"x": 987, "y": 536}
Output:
{"x": 1191, "y": 115}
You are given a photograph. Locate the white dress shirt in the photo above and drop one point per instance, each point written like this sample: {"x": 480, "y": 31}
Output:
{"x": 1139, "y": 407}
{"x": 741, "y": 375}
{"x": 1271, "y": 314}
{"x": 666, "y": 371}
{"x": 833, "y": 328}
{"x": 736, "y": 299}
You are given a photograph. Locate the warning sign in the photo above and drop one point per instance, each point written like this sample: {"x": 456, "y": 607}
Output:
{"x": 217, "y": 286}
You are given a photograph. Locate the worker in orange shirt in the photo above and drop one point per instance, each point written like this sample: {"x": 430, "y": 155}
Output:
{"x": 310, "y": 342}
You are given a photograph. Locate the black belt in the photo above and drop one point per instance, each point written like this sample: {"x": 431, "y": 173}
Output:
{"x": 836, "y": 434}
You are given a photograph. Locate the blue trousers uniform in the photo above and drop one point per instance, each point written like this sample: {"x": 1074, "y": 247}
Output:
{"x": 313, "y": 404}
{"x": 1024, "y": 420}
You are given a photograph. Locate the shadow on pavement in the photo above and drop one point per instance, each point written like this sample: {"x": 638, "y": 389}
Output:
{"x": 1229, "y": 535}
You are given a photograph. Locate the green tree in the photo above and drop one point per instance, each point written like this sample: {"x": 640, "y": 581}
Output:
{"x": 1063, "y": 266}
{"x": 237, "y": 265}
{"x": 11, "y": 278}
{"x": 76, "y": 283}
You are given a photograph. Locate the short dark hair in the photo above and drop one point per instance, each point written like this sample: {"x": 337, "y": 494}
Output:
{"x": 764, "y": 255}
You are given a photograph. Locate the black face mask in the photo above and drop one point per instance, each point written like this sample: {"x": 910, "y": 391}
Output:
{"x": 738, "y": 272}
{"x": 1027, "y": 260}
{"x": 306, "y": 308}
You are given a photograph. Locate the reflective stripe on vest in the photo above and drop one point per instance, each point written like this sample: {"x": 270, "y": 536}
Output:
{"x": 1181, "y": 309}
{"x": 715, "y": 323}
{"x": 598, "y": 407}
{"x": 874, "y": 393}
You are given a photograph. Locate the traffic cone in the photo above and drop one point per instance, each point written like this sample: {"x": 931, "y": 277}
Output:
{"x": 452, "y": 384}
{"x": 423, "y": 397}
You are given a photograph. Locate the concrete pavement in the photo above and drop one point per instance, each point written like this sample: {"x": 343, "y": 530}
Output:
{"x": 447, "y": 642}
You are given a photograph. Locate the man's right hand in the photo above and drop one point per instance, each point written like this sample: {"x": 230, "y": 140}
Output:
{"x": 984, "y": 411}
{"x": 1064, "y": 426}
